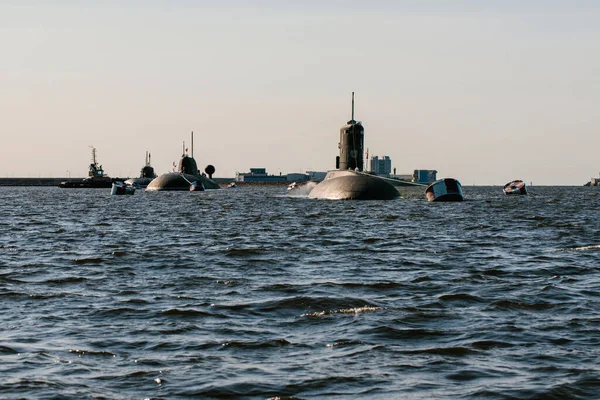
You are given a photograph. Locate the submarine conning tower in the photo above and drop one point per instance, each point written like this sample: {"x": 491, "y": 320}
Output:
{"x": 187, "y": 165}
{"x": 351, "y": 145}
{"x": 147, "y": 170}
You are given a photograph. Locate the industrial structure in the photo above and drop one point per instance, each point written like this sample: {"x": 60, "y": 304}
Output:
{"x": 381, "y": 166}
{"x": 261, "y": 175}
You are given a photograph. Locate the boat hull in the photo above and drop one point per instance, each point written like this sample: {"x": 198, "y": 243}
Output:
{"x": 121, "y": 189}
{"x": 444, "y": 190}
{"x": 515, "y": 187}
{"x": 353, "y": 185}
{"x": 94, "y": 183}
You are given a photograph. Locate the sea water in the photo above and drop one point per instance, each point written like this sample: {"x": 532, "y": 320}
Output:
{"x": 252, "y": 293}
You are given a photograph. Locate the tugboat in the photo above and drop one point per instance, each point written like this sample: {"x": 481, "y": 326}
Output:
{"x": 146, "y": 174}
{"x": 515, "y": 187}
{"x": 348, "y": 181}
{"x": 187, "y": 173}
{"x": 447, "y": 189}
{"x": 95, "y": 179}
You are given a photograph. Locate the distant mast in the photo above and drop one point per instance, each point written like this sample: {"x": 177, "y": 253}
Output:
{"x": 353, "y": 108}
{"x": 192, "y": 144}
{"x": 93, "y": 155}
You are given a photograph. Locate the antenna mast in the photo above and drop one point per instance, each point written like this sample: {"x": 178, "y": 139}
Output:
{"x": 93, "y": 154}
{"x": 192, "y": 144}
{"x": 352, "y": 106}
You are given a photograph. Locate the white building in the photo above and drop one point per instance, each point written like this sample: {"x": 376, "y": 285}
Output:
{"x": 381, "y": 166}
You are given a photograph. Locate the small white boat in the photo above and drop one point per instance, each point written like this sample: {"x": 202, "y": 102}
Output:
{"x": 232, "y": 185}
{"x": 293, "y": 186}
{"x": 448, "y": 189}
{"x": 120, "y": 188}
{"x": 515, "y": 187}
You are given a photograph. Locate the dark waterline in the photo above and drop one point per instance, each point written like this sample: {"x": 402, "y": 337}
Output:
{"x": 249, "y": 293}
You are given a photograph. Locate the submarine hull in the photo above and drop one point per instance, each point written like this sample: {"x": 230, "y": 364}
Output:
{"x": 141, "y": 182}
{"x": 353, "y": 185}
{"x": 177, "y": 181}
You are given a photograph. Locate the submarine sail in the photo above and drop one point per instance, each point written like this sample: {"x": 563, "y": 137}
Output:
{"x": 348, "y": 181}
{"x": 352, "y": 143}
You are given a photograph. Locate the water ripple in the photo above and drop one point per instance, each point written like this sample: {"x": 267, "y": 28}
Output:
{"x": 250, "y": 293}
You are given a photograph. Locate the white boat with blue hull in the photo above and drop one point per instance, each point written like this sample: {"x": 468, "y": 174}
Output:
{"x": 448, "y": 189}
{"x": 121, "y": 188}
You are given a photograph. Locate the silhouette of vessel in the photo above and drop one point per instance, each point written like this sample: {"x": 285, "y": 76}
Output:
{"x": 187, "y": 173}
{"x": 95, "y": 179}
{"x": 348, "y": 181}
{"x": 146, "y": 174}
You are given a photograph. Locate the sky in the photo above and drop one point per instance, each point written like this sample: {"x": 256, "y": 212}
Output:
{"x": 482, "y": 91}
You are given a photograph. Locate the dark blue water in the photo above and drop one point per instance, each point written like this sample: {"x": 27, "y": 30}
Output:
{"x": 248, "y": 293}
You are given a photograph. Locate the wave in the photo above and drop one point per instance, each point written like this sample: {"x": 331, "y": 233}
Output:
{"x": 189, "y": 313}
{"x": 91, "y": 260}
{"x": 92, "y": 353}
{"x": 7, "y": 350}
{"x": 581, "y": 248}
{"x": 354, "y": 310}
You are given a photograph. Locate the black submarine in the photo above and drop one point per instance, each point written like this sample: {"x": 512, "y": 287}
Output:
{"x": 348, "y": 181}
{"x": 187, "y": 175}
{"x": 147, "y": 174}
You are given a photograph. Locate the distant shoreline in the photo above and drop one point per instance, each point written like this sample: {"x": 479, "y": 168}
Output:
{"x": 221, "y": 181}
{"x": 56, "y": 181}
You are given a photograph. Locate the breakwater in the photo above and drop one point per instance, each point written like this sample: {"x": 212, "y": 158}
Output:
{"x": 34, "y": 181}
{"x": 56, "y": 181}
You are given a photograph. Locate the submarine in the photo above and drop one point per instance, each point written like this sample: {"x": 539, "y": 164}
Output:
{"x": 146, "y": 175}
{"x": 187, "y": 175}
{"x": 348, "y": 181}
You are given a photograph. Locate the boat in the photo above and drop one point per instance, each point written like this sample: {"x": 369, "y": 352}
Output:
{"x": 232, "y": 185}
{"x": 95, "y": 179}
{"x": 348, "y": 181}
{"x": 515, "y": 187}
{"x": 121, "y": 188}
{"x": 292, "y": 186}
{"x": 146, "y": 174}
{"x": 448, "y": 189}
{"x": 593, "y": 182}
{"x": 187, "y": 173}
{"x": 196, "y": 187}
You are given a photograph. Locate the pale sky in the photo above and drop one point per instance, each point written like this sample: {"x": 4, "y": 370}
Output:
{"x": 482, "y": 91}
